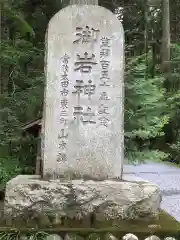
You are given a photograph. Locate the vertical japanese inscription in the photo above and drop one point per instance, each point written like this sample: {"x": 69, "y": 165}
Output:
{"x": 103, "y": 113}
{"x": 63, "y": 118}
{"x": 84, "y": 64}
{"x": 86, "y": 35}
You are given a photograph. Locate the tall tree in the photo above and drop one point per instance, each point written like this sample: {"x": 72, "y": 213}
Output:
{"x": 165, "y": 47}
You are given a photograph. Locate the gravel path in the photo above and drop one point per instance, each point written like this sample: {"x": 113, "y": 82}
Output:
{"x": 167, "y": 177}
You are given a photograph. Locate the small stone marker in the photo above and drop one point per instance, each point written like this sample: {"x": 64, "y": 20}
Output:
{"x": 83, "y": 115}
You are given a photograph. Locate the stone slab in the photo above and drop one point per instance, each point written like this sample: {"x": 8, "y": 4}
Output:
{"x": 133, "y": 178}
{"x": 83, "y": 133}
{"x": 78, "y": 199}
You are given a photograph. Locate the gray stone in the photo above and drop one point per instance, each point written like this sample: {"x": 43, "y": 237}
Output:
{"x": 53, "y": 237}
{"x": 78, "y": 199}
{"x": 130, "y": 236}
{"x": 133, "y": 178}
{"x": 153, "y": 237}
{"x": 84, "y": 2}
{"x": 109, "y": 236}
{"x": 83, "y": 114}
{"x": 170, "y": 238}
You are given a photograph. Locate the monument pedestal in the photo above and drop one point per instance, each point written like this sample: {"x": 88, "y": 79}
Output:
{"x": 36, "y": 199}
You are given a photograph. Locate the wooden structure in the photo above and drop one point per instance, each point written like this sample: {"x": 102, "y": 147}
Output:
{"x": 34, "y": 128}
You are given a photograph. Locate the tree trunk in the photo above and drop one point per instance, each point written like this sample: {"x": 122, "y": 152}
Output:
{"x": 4, "y": 32}
{"x": 165, "y": 48}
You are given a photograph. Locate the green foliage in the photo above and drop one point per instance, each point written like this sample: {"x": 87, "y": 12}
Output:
{"x": 18, "y": 235}
{"x": 175, "y": 150}
{"x": 17, "y": 18}
{"x": 9, "y": 168}
{"x": 22, "y": 95}
{"x": 144, "y": 111}
{"x": 173, "y": 101}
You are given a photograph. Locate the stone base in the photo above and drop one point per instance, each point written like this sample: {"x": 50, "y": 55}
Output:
{"x": 31, "y": 197}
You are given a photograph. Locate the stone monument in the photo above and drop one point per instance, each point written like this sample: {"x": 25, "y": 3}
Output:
{"x": 83, "y": 115}
{"x": 83, "y": 137}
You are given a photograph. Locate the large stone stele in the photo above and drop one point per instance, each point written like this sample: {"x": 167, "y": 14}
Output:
{"x": 78, "y": 199}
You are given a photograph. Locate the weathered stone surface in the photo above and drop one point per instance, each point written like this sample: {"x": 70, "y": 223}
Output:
{"x": 170, "y": 238}
{"x": 153, "y": 237}
{"x": 130, "y": 236}
{"x": 84, "y": 2}
{"x": 53, "y": 237}
{"x": 83, "y": 117}
{"x": 78, "y": 199}
{"x": 109, "y": 236}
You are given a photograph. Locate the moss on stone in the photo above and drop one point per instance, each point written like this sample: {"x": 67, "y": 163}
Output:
{"x": 165, "y": 224}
